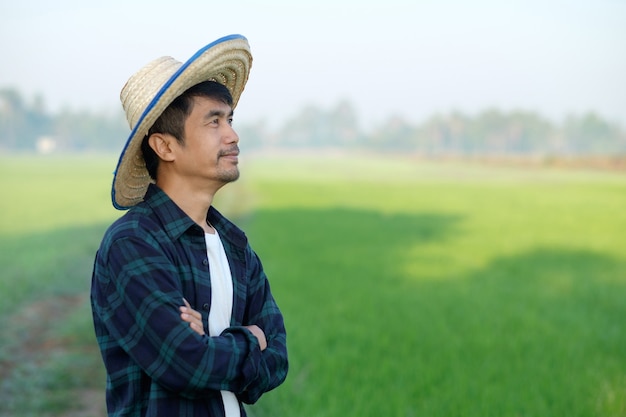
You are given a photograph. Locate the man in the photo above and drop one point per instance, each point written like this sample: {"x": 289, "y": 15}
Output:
{"x": 182, "y": 309}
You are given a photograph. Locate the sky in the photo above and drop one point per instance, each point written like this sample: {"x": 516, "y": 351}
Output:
{"x": 407, "y": 58}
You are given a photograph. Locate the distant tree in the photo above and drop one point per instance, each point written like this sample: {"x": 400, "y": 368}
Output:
{"x": 344, "y": 128}
{"x": 590, "y": 134}
{"x": 395, "y": 134}
{"x": 254, "y": 135}
{"x": 21, "y": 124}
{"x": 444, "y": 134}
{"x": 85, "y": 130}
{"x": 24, "y": 125}
{"x": 530, "y": 133}
{"x": 314, "y": 127}
{"x": 304, "y": 129}
{"x": 8, "y": 122}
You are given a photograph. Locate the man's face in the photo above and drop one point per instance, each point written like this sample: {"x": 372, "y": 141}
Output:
{"x": 210, "y": 151}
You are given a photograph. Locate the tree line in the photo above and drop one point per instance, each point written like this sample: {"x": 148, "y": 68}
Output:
{"x": 27, "y": 126}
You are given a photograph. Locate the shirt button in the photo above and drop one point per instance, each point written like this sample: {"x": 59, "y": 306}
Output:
{"x": 205, "y": 306}
{"x": 205, "y": 262}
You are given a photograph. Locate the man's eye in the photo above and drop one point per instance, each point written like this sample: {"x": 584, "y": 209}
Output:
{"x": 230, "y": 121}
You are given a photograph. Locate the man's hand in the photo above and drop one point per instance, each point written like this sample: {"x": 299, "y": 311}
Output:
{"x": 256, "y": 330}
{"x": 192, "y": 317}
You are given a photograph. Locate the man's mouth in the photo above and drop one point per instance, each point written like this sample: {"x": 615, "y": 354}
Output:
{"x": 230, "y": 152}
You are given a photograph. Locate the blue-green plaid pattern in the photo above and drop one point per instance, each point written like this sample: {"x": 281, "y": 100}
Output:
{"x": 150, "y": 259}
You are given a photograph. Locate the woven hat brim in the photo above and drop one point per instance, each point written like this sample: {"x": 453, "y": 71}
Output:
{"x": 227, "y": 61}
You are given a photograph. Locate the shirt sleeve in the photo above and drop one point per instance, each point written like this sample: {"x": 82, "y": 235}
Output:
{"x": 263, "y": 311}
{"x": 139, "y": 294}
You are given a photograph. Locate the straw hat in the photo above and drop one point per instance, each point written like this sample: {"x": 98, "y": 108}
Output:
{"x": 148, "y": 93}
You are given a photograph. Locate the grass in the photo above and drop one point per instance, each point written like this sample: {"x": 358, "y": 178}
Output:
{"x": 409, "y": 288}
{"x": 433, "y": 289}
{"x": 54, "y": 211}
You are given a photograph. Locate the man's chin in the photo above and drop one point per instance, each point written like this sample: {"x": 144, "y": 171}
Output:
{"x": 230, "y": 176}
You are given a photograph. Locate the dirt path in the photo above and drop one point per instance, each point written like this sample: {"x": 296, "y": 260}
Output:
{"x": 31, "y": 344}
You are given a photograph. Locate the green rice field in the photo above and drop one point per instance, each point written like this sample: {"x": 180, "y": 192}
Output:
{"x": 409, "y": 287}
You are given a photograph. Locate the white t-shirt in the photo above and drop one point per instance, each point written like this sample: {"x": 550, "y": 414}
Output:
{"x": 221, "y": 303}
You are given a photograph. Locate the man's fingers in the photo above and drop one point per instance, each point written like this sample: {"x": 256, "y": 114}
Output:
{"x": 191, "y": 311}
{"x": 191, "y": 316}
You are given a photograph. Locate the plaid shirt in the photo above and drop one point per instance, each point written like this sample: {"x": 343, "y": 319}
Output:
{"x": 150, "y": 259}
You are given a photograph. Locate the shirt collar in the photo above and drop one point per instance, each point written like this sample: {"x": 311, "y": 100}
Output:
{"x": 176, "y": 222}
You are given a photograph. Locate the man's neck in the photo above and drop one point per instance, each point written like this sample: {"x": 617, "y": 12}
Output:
{"x": 195, "y": 203}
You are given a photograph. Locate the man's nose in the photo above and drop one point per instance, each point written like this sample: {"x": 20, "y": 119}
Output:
{"x": 231, "y": 136}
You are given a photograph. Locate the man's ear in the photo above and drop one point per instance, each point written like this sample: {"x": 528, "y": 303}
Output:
{"x": 161, "y": 144}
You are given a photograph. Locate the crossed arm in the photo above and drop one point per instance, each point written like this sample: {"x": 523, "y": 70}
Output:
{"x": 194, "y": 318}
